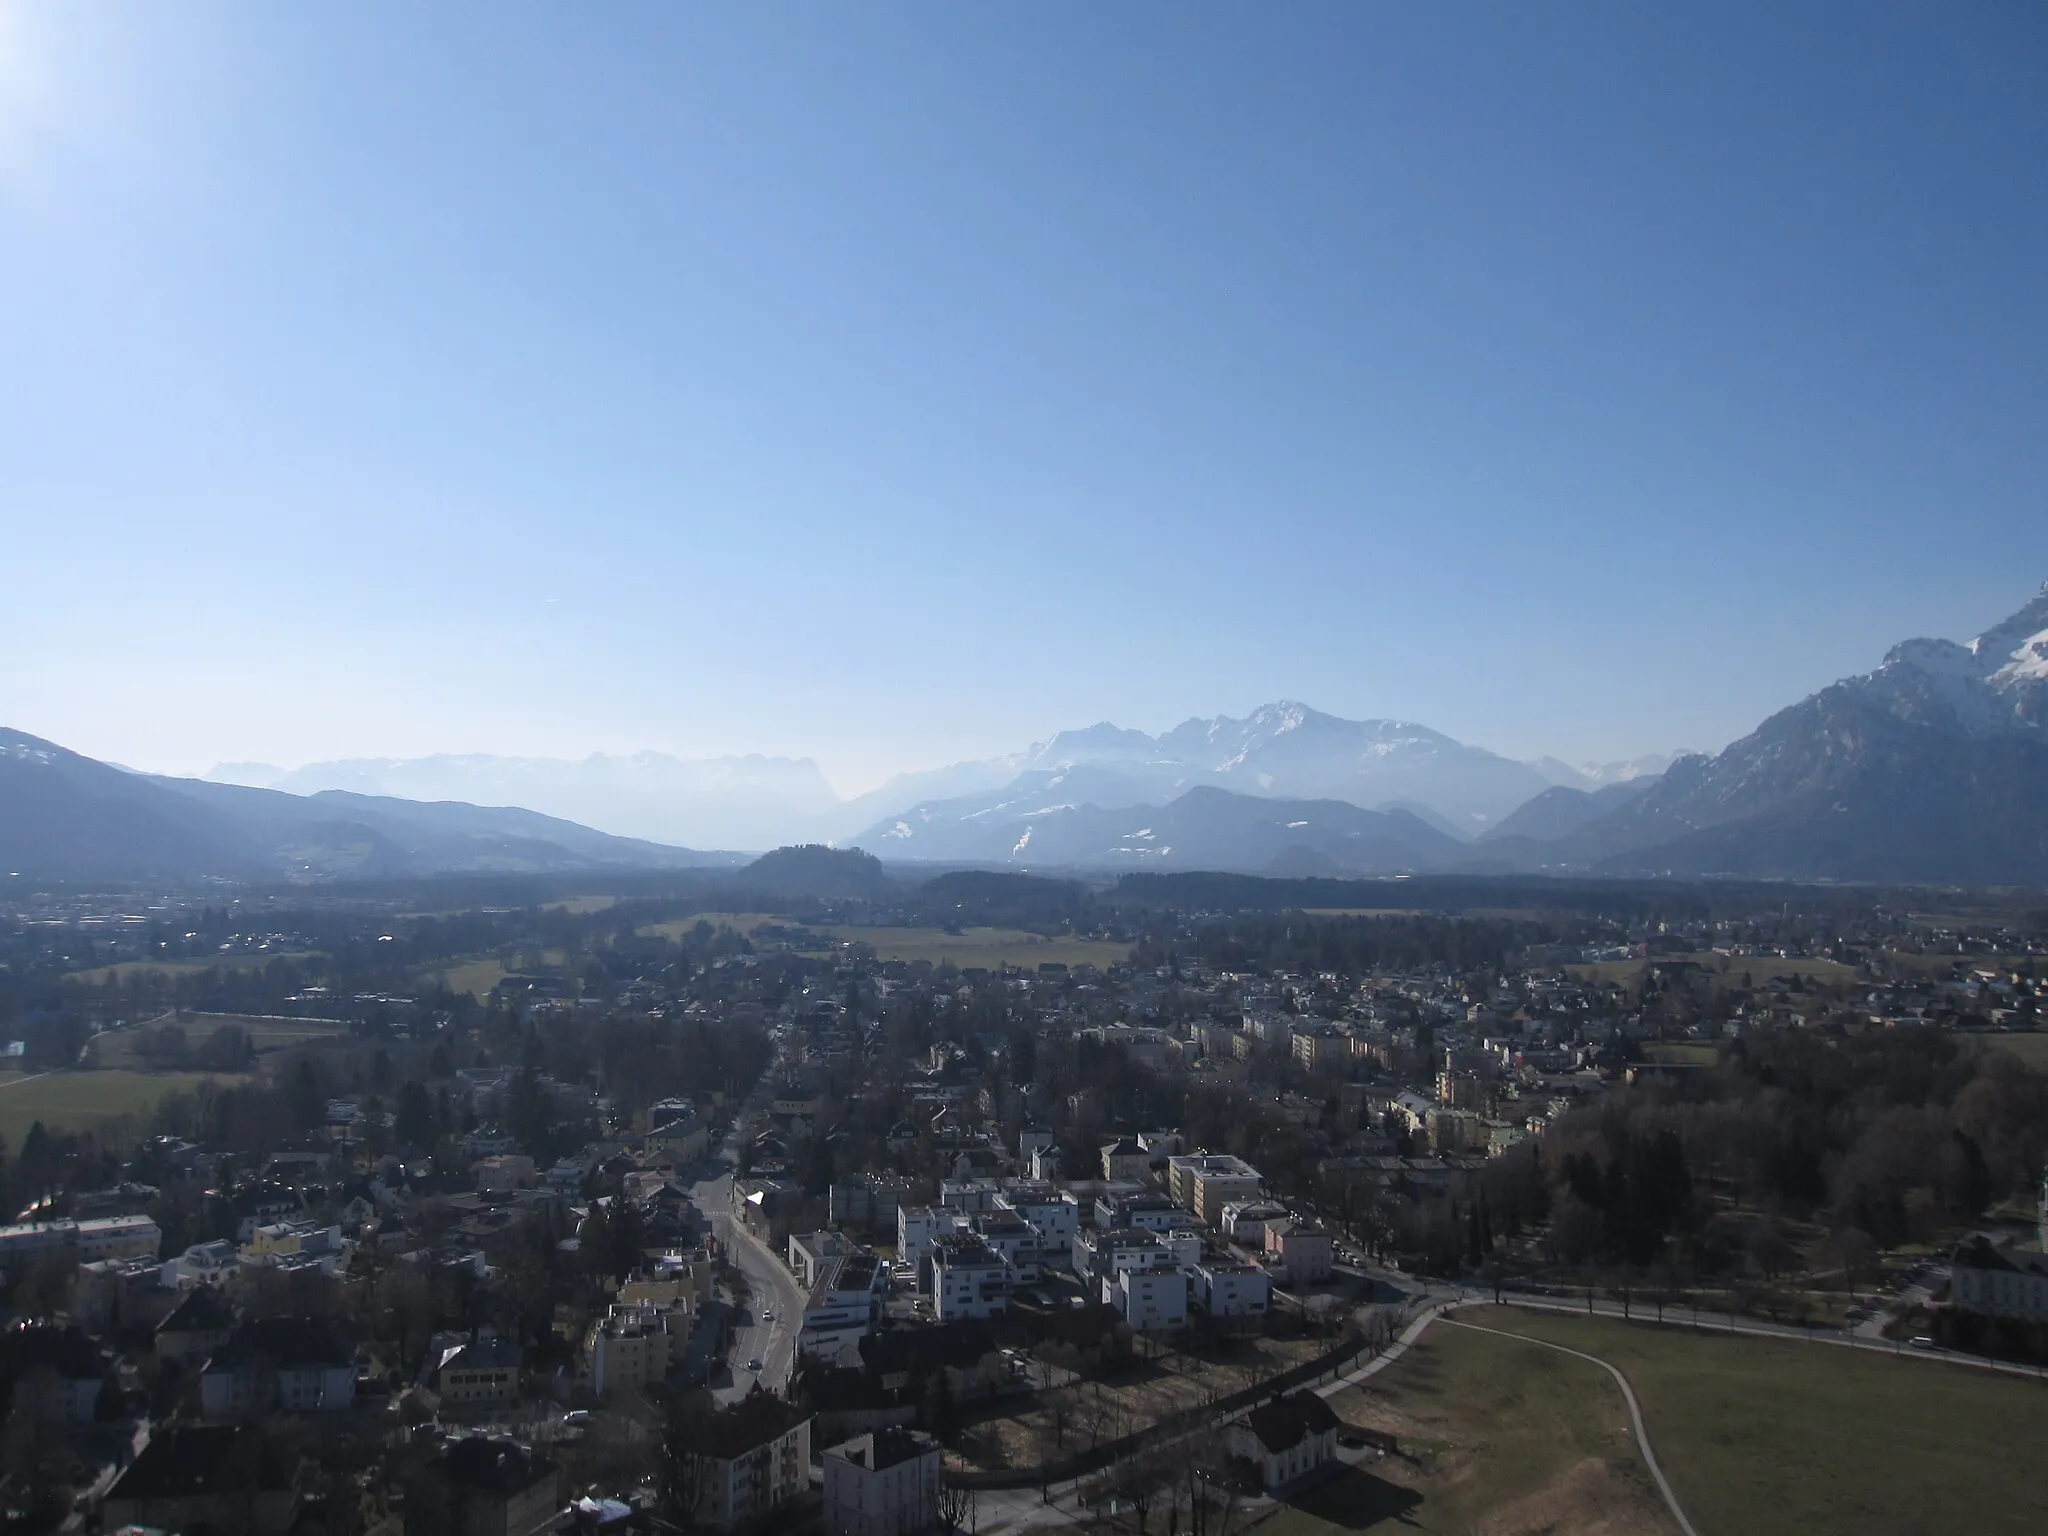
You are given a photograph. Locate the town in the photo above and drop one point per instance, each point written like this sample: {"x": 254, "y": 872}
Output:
{"x": 725, "y": 1219}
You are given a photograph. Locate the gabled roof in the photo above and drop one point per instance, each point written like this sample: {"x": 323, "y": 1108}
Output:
{"x": 1285, "y": 1422}
{"x": 960, "y": 1345}
{"x": 204, "y": 1310}
{"x": 292, "y": 1343}
{"x": 199, "y": 1460}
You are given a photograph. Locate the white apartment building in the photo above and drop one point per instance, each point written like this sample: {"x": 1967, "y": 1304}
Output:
{"x": 1231, "y": 1288}
{"x": 918, "y": 1227}
{"x": 882, "y": 1484}
{"x": 841, "y": 1308}
{"x": 103, "y": 1237}
{"x": 969, "y": 1279}
{"x": 1152, "y": 1300}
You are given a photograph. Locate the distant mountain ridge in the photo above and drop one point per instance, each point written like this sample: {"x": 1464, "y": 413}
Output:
{"x": 69, "y": 818}
{"x": 732, "y": 802}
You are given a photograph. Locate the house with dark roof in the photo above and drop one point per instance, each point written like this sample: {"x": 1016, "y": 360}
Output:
{"x": 482, "y": 1487}
{"x": 1288, "y": 1438}
{"x": 900, "y": 1357}
{"x": 753, "y": 1457}
{"x": 1995, "y": 1277}
{"x": 225, "y": 1478}
{"x": 298, "y": 1364}
{"x": 196, "y": 1326}
{"x": 27, "y": 1348}
{"x": 885, "y": 1483}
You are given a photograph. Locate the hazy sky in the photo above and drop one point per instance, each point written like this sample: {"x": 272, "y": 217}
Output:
{"x": 900, "y": 383}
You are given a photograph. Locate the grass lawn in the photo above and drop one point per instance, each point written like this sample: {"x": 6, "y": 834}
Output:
{"x": 117, "y": 1048}
{"x": 1495, "y": 1436}
{"x": 582, "y": 906}
{"x": 78, "y": 1101}
{"x": 1683, "y": 1052}
{"x": 988, "y": 947}
{"x": 476, "y": 977}
{"x": 99, "y": 975}
{"x": 1763, "y": 1435}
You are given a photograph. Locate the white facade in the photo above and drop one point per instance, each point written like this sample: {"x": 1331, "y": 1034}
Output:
{"x": 105, "y": 1237}
{"x": 1227, "y": 1288}
{"x": 1151, "y": 1300}
{"x": 882, "y": 1484}
{"x": 1999, "y": 1279}
{"x": 919, "y": 1226}
{"x": 968, "y": 1281}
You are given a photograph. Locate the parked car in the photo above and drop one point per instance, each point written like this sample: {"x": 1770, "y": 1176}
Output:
{"x": 1921, "y": 1341}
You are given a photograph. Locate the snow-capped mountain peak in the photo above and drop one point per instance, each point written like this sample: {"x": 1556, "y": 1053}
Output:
{"x": 1995, "y": 685}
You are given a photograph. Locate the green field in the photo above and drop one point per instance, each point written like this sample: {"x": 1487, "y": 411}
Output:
{"x": 476, "y": 977}
{"x": 988, "y": 947}
{"x": 99, "y": 975}
{"x": 1767, "y": 1435}
{"x": 78, "y": 1101}
{"x": 582, "y": 906}
{"x": 118, "y": 1048}
{"x": 1682, "y": 1052}
{"x": 1494, "y": 1436}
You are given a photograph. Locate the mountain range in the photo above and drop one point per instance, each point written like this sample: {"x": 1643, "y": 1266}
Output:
{"x": 1931, "y": 768}
{"x": 1284, "y": 750}
{"x": 68, "y": 817}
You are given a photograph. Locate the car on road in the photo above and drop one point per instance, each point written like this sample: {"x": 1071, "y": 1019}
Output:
{"x": 1921, "y": 1341}
{"x": 754, "y": 1365}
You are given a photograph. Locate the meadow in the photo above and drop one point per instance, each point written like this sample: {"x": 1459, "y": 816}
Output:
{"x": 1493, "y": 1436}
{"x": 100, "y": 975}
{"x": 119, "y": 1048}
{"x": 83, "y": 1101}
{"x": 987, "y": 947}
{"x": 1767, "y": 1434}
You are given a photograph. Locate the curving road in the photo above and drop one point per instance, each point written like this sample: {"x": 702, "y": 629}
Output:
{"x": 773, "y": 1289}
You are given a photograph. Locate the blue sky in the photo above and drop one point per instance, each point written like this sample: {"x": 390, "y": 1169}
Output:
{"x": 896, "y": 384}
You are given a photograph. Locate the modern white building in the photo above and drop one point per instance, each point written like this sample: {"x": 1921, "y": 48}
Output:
{"x": 1231, "y": 1288}
{"x": 1053, "y": 1212}
{"x": 104, "y": 1237}
{"x": 920, "y": 1226}
{"x": 882, "y": 1484}
{"x": 1151, "y": 1300}
{"x": 969, "y": 1280}
{"x": 842, "y": 1306}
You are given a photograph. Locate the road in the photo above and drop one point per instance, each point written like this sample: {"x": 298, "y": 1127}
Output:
{"x": 773, "y": 1290}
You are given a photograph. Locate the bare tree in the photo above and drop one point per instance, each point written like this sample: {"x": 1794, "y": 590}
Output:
{"x": 684, "y": 1476}
{"x": 959, "y": 1505}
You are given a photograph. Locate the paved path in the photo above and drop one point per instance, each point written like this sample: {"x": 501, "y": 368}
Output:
{"x": 1682, "y": 1317}
{"x": 31, "y": 1078}
{"x": 1635, "y": 1411}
